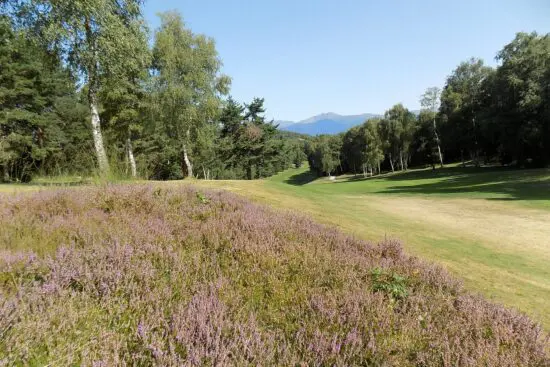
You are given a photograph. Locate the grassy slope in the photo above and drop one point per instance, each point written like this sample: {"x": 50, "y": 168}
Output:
{"x": 148, "y": 275}
{"x": 489, "y": 226}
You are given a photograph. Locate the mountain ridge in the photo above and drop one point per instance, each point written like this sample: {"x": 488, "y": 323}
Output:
{"x": 325, "y": 123}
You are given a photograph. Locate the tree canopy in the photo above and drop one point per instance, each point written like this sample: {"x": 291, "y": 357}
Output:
{"x": 86, "y": 88}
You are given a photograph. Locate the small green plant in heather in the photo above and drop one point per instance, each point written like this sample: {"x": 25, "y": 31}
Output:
{"x": 393, "y": 284}
{"x": 202, "y": 198}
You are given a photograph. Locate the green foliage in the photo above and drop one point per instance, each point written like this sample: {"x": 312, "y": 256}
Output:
{"x": 41, "y": 119}
{"x": 100, "y": 39}
{"x": 521, "y": 100}
{"x": 362, "y": 147}
{"x": 392, "y": 283}
{"x": 202, "y": 198}
{"x": 324, "y": 154}
{"x": 482, "y": 115}
{"x": 103, "y": 41}
{"x": 250, "y": 146}
{"x": 461, "y": 104}
{"x": 186, "y": 90}
{"x": 163, "y": 113}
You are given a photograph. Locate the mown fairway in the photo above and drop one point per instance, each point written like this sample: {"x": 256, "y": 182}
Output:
{"x": 491, "y": 227}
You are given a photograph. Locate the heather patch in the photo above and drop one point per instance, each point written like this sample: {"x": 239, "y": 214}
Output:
{"x": 175, "y": 276}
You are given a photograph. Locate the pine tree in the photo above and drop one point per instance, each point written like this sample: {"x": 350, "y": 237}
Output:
{"x": 36, "y": 98}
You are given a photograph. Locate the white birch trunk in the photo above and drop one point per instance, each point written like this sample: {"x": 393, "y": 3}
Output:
{"x": 98, "y": 137}
{"x": 391, "y": 164}
{"x": 187, "y": 161}
{"x": 131, "y": 158}
{"x": 438, "y": 147}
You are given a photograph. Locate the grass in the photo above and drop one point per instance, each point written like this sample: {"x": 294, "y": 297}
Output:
{"x": 489, "y": 226}
{"x": 168, "y": 274}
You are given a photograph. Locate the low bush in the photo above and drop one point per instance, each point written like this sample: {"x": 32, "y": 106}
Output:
{"x": 158, "y": 275}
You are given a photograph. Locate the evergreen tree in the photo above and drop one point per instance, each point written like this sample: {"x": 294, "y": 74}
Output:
{"x": 37, "y": 99}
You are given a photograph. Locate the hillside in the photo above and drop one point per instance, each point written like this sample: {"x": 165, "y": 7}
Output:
{"x": 498, "y": 247}
{"x": 326, "y": 123}
{"x": 169, "y": 275}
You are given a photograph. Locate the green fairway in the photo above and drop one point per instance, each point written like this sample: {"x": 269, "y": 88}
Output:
{"x": 489, "y": 226}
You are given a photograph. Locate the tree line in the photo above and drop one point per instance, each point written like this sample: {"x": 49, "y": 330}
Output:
{"x": 483, "y": 115}
{"x": 86, "y": 87}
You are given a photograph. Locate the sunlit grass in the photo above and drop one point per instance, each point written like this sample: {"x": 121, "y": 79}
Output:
{"x": 489, "y": 226}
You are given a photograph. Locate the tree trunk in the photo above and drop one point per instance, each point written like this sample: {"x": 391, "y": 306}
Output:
{"x": 391, "y": 164}
{"x": 131, "y": 158}
{"x": 187, "y": 161}
{"x": 98, "y": 137}
{"x": 436, "y": 136}
{"x": 475, "y": 155}
{"x": 93, "y": 80}
{"x": 6, "y": 174}
{"x": 401, "y": 160}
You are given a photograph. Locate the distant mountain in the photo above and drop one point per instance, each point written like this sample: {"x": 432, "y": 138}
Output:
{"x": 283, "y": 123}
{"x": 325, "y": 123}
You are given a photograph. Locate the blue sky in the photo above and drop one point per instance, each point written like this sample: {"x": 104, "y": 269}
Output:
{"x": 306, "y": 57}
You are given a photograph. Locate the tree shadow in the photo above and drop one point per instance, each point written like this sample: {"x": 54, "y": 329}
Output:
{"x": 67, "y": 183}
{"x": 302, "y": 178}
{"x": 64, "y": 183}
{"x": 492, "y": 183}
{"x": 504, "y": 184}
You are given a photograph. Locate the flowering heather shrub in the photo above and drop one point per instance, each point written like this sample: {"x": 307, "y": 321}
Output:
{"x": 126, "y": 275}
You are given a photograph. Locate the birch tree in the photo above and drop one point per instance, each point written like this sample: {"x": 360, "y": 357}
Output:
{"x": 99, "y": 39}
{"x": 430, "y": 102}
{"x": 373, "y": 153}
{"x": 402, "y": 125}
{"x": 188, "y": 84}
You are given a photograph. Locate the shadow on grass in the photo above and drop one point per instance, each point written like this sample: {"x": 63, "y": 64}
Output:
{"x": 493, "y": 183}
{"x": 62, "y": 184}
{"x": 300, "y": 179}
{"x": 38, "y": 184}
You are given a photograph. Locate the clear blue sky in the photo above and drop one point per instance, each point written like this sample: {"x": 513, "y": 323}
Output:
{"x": 307, "y": 57}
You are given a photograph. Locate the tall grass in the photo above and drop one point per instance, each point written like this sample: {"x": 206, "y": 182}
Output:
{"x": 122, "y": 274}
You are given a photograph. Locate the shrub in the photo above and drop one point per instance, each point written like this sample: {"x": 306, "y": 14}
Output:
{"x": 165, "y": 275}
